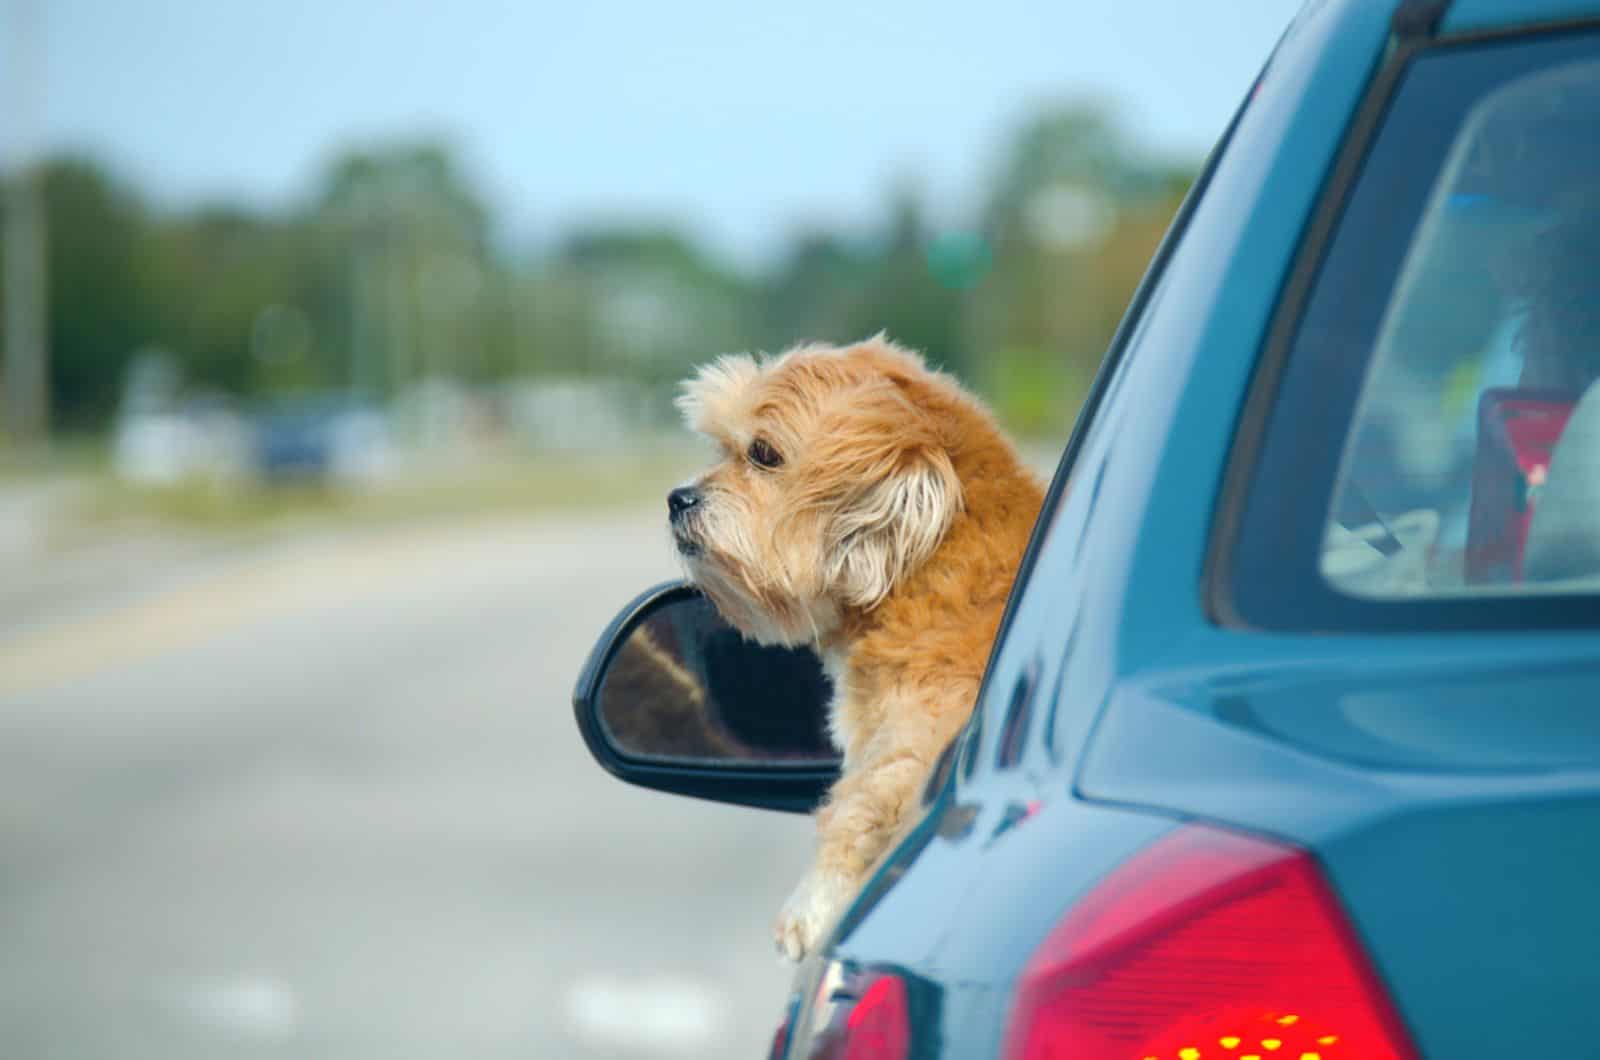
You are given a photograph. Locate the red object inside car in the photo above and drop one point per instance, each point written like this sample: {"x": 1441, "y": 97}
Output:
{"x": 1517, "y": 429}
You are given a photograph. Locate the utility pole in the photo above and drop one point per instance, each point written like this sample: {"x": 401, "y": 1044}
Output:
{"x": 25, "y": 382}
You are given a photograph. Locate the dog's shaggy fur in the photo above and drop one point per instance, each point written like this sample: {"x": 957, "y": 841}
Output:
{"x": 869, "y": 507}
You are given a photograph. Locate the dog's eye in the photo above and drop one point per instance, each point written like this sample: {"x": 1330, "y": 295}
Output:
{"x": 762, "y": 455}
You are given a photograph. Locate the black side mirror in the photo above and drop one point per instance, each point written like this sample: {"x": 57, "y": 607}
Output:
{"x": 673, "y": 698}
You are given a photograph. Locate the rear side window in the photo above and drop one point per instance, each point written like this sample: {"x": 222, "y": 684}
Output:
{"x": 1432, "y": 459}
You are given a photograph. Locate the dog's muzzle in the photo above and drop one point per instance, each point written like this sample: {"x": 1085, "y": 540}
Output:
{"x": 683, "y": 504}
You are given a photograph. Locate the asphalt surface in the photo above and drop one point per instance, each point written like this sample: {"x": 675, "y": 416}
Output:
{"x": 326, "y": 799}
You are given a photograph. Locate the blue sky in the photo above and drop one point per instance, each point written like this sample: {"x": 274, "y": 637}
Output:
{"x": 741, "y": 120}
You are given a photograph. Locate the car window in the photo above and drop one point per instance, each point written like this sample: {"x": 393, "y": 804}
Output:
{"x": 1489, "y": 343}
{"x": 1436, "y": 436}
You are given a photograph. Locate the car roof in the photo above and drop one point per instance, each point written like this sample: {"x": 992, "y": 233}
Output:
{"x": 1478, "y": 16}
{"x": 1470, "y": 16}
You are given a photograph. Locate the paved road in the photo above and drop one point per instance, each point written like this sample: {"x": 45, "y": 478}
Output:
{"x": 327, "y": 800}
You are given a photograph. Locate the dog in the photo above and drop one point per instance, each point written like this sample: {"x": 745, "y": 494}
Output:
{"x": 869, "y": 507}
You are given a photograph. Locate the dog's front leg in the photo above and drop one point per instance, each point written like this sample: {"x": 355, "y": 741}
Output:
{"x": 862, "y": 815}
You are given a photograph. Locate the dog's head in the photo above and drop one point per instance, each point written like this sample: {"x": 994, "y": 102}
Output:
{"x": 835, "y": 481}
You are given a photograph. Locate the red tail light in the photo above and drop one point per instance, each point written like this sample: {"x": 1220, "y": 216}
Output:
{"x": 879, "y": 1027}
{"x": 1208, "y": 945}
{"x": 780, "y": 1038}
{"x": 875, "y": 1026}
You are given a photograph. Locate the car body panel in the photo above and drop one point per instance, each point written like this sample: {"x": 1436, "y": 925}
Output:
{"x": 987, "y": 880}
{"x": 1456, "y": 818}
{"x": 1474, "y": 16}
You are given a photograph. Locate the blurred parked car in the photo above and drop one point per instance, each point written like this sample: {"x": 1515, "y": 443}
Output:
{"x": 1263, "y": 765}
{"x": 323, "y": 438}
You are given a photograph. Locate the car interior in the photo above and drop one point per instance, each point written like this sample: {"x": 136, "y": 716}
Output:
{"x": 1472, "y": 466}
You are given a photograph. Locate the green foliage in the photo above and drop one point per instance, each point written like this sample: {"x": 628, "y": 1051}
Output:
{"x": 906, "y": 299}
{"x": 653, "y": 303}
{"x": 1032, "y": 393}
{"x": 390, "y": 273}
{"x": 908, "y": 282}
{"x": 220, "y": 276}
{"x": 101, "y": 295}
{"x": 1073, "y": 219}
{"x": 812, "y": 294}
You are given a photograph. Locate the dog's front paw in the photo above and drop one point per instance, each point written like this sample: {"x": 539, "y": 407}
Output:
{"x": 810, "y": 911}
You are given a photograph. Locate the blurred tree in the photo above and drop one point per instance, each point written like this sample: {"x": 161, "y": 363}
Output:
{"x": 100, "y": 307}
{"x": 221, "y": 278}
{"x": 909, "y": 284}
{"x": 812, "y": 294}
{"x": 653, "y": 303}
{"x": 411, "y": 238}
{"x": 390, "y": 273}
{"x": 557, "y": 321}
{"x": 903, "y": 296}
{"x": 1072, "y": 220}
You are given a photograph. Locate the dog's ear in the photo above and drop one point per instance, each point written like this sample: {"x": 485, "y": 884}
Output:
{"x": 892, "y": 525}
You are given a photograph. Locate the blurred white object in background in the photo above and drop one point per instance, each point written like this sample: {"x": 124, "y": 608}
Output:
{"x": 363, "y": 445}
{"x": 584, "y": 415}
{"x": 162, "y": 438}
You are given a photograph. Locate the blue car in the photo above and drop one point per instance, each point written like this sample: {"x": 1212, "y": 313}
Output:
{"x": 1289, "y": 745}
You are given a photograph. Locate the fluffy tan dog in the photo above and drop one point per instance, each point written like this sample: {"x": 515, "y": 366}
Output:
{"x": 867, "y": 506}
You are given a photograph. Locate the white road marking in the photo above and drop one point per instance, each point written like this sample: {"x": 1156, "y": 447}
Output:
{"x": 662, "y": 1014}
{"x": 249, "y": 1006}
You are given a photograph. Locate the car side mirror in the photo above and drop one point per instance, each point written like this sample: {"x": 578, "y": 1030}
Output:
{"x": 673, "y": 698}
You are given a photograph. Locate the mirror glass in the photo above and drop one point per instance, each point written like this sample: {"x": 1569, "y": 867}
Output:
{"x": 685, "y": 686}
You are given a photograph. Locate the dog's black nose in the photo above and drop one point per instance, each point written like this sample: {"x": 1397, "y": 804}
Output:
{"x": 681, "y": 500}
